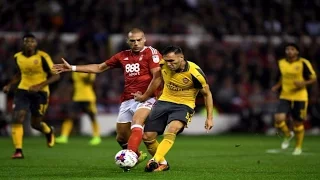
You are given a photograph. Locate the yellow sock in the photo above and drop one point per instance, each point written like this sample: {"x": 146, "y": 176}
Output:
{"x": 66, "y": 128}
{"x": 164, "y": 146}
{"x": 284, "y": 128}
{"x": 152, "y": 146}
{"x": 45, "y": 128}
{"x": 95, "y": 128}
{"x": 299, "y": 132}
{"x": 17, "y": 135}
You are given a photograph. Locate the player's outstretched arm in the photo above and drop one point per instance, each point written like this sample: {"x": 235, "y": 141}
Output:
{"x": 205, "y": 91}
{"x": 89, "y": 68}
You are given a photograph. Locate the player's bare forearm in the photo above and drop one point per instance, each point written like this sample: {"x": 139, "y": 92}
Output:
{"x": 279, "y": 83}
{"x": 208, "y": 101}
{"x": 310, "y": 81}
{"x": 154, "y": 84}
{"x": 276, "y": 86}
{"x": 53, "y": 78}
{"x": 91, "y": 68}
{"x": 209, "y": 105}
{"x": 16, "y": 78}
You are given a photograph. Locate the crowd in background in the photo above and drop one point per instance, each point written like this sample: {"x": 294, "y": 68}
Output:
{"x": 218, "y": 17}
{"x": 240, "y": 74}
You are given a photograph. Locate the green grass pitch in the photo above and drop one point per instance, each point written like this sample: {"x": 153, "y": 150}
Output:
{"x": 222, "y": 157}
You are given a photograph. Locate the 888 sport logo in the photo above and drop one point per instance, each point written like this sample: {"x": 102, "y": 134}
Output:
{"x": 133, "y": 69}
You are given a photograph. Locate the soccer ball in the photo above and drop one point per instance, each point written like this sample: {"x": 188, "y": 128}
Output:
{"x": 126, "y": 158}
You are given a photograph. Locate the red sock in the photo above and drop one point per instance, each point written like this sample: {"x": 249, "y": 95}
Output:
{"x": 135, "y": 138}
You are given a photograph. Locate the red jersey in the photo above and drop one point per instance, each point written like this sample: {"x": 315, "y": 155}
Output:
{"x": 136, "y": 69}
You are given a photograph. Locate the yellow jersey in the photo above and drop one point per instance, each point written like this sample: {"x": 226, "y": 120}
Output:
{"x": 34, "y": 69}
{"x": 299, "y": 70}
{"x": 83, "y": 86}
{"x": 182, "y": 87}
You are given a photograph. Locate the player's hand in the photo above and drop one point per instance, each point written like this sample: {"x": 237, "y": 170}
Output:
{"x": 35, "y": 88}
{"x": 60, "y": 68}
{"x": 138, "y": 96}
{"x": 299, "y": 84}
{"x": 6, "y": 88}
{"x": 208, "y": 124}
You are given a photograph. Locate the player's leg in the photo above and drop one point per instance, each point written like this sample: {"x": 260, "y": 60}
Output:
{"x": 92, "y": 112}
{"x": 137, "y": 132}
{"x": 179, "y": 117}
{"x": 151, "y": 142}
{"x": 141, "y": 113}
{"x": 72, "y": 109}
{"x": 280, "y": 122}
{"x": 66, "y": 129}
{"x": 299, "y": 113}
{"x": 173, "y": 128}
{"x": 21, "y": 106}
{"x": 38, "y": 124}
{"x": 38, "y": 109}
{"x": 123, "y": 134}
{"x": 155, "y": 125}
{"x": 124, "y": 123}
{"x": 17, "y": 132}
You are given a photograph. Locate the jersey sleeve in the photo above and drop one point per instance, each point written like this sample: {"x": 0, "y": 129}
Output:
{"x": 16, "y": 66}
{"x": 278, "y": 72}
{"x": 47, "y": 63}
{"x": 114, "y": 61}
{"x": 308, "y": 71}
{"x": 155, "y": 58}
{"x": 199, "y": 78}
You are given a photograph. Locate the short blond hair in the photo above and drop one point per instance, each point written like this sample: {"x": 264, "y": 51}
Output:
{"x": 136, "y": 30}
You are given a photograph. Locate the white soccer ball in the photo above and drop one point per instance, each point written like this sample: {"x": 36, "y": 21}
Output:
{"x": 126, "y": 158}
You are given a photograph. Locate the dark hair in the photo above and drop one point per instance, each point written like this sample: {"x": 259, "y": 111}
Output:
{"x": 293, "y": 45}
{"x": 172, "y": 48}
{"x": 29, "y": 35}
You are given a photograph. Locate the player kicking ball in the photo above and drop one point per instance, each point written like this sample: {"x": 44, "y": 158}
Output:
{"x": 174, "y": 109}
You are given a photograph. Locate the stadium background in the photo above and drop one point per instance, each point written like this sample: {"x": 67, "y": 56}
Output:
{"x": 235, "y": 42}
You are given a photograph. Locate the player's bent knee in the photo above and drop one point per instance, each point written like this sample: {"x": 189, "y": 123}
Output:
{"x": 175, "y": 127}
{"x": 138, "y": 121}
{"x": 19, "y": 116}
{"x": 121, "y": 138}
{"x": 36, "y": 124}
{"x": 278, "y": 122}
{"x": 149, "y": 136}
{"x": 173, "y": 130}
{"x": 280, "y": 117}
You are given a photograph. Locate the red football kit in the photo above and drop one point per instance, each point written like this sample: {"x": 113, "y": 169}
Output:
{"x": 136, "y": 69}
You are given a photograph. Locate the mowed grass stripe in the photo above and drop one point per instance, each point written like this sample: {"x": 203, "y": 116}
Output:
{"x": 192, "y": 157}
